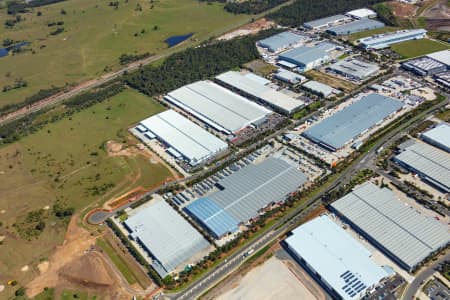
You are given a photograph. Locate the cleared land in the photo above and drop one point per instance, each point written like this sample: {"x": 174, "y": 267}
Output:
{"x": 272, "y": 280}
{"x": 96, "y": 34}
{"x": 332, "y": 81}
{"x": 420, "y": 47}
{"x": 66, "y": 161}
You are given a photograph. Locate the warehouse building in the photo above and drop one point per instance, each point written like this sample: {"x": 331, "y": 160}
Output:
{"x": 430, "y": 163}
{"x": 380, "y": 41}
{"x": 405, "y": 235}
{"x": 308, "y": 57}
{"x": 244, "y": 193}
{"x": 424, "y": 66}
{"x": 322, "y": 24}
{"x": 288, "y": 76}
{"x": 354, "y": 69}
{"x": 281, "y": 41}
{"x": 340, "y": 263}
{"x": 184, "y": 139}
{"x": 356, "y": 26}
{"x": 218, "y": 107}
{"x": 168, "y": 238}
{"x": 443, "y": 79}
{"x": 318, "y": 88}
{"x": 441, "y": 56}
{"x": 438, "y": 136}
{"x": 258, "y": 88}
{"x": 362, "y": 13}
{"x": 347, "y": 124}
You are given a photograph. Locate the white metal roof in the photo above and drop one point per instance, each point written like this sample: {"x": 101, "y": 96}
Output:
{"x": 186, "y": 137}
{"x": 355, "y": 68}
{"x": 441, "y": 56}
{"x": 325, "y": 21}
{"x": 336, "y": 256}
{"x": 318, "y": 87}
{"x": 257, "y": 87}
{"x": 169, "y": 237}
{"x": 361, "y": 13}
{"x": 439, "y": 135}
{"x": 281, "y": 40}
{"x": 217, "y": 106}
{"x": 403, "y": 231}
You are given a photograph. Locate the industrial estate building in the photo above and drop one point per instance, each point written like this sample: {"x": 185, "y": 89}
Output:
{"x": 288, "y": 76}
{"x": 361, "y": 13}
{"x": 321, "y": 24}
{"x": 318, "y": 88}
{"x": 244, "y": 193}
{"x": 424, "y": 66}
{"x": 281, "y": 41}
{"x": 336, "y": 259}
{"x": 356, "y": 26}
{"x": 443, "y": 79}
{"x": 430, "y": 163}
{"x": 258, "y": 88}
{"x": 344, "y": 126}
{"x": 441, "y": 56}
{"x": 168, "y": 238}
{"x": 438, "y": 136}
{"x": 218, "y": 107}
{"x": 401, "y": 232}
{"x": 184, "y": 139}
{"x": 355, "y": 69}
{"x": 308, "y": 57}
{"x": 381, "y": 41}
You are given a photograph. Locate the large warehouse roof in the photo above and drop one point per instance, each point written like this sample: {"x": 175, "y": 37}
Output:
{"x": 406, "y": 234}
{"x": 335, "y": 131}
{"x": 169, "y": 238}
{"x": 186, "y": 137}
{"x": 439, "y": 136}
{"x": 281, "y": 40}
{"x": 361, "y": 13}
{"x": 339, "y": 259}
{"x": 355, "y": 68}
{"x": 305, "y": 55}
{"x": 325, "y": 21}
{"x": 430, "y": 162}
{"x": 244, "y": 193}
{"x": 217, "y": 106}
{"x": 441, "y": 56}
{"x": 318, "y": 87}
{"x": 380, "y": 41}
{"x": 256, "y": 88}
{"x": 356, "y": 26}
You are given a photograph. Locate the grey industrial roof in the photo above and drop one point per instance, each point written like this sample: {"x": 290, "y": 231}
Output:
{"x": 336, "y": 256}
{"x": 428, "y": 160}
{"x": 289, "y": 76}
{"x": 318, "y": 87}
{"x": 281, "y": 40}
{"x": 404, "y": 232}
{"x": 194, "y": 142}
{"x": 355, "y": 68}
{"x": 217, "y": 106}
{"x": 384, "y": 40}
{"x": 307, "y": 54}
{"x": 258, "y": 88}
{"x": 356, "y": 26}
{"x": 439, "y": 135}
{"x": 441, "y": 56}
{"x": 424, "y": 63}
{"x": 354, "y": 119}
{"x": 248, "y": 190}
{"x": 167, "y": 235}
{"x": 361, "y": 13}
{"x": 325, "y": 21}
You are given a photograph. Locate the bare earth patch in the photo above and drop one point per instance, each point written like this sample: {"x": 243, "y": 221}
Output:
{"x": 43, "y": 267}
{"x": 402, "y": 10}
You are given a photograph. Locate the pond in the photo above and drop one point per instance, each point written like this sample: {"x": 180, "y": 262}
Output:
{"x": 5, "y": 51}
{"x": 176, "y": 39}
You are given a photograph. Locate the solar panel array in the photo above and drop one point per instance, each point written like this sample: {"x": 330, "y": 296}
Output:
{"x": 244, "y": 193}
{"x": 401, "y": 230}
{"x": 345, "y": 125}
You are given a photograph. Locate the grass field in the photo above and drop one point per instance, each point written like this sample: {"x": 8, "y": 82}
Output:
{"x": 444, "y": 116}
{"x": 420, "y": 47}
{"x": 360, "y": 35}
{"x": 96, "y": 34}
{"x": 118, "y": 261}
{"x": 66, "y": 161}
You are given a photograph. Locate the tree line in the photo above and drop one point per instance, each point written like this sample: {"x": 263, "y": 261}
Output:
{"x": 15, "y": 7}
{"x": 301, "y": 11}
{"x": 250, "y": 7}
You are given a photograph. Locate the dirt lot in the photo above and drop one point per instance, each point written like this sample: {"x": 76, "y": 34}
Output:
{"x": 438, "y": 16}
{"x": 332, "y": 81}
{"x": 251, "y": 28}
{"x": 402, "y": 10}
